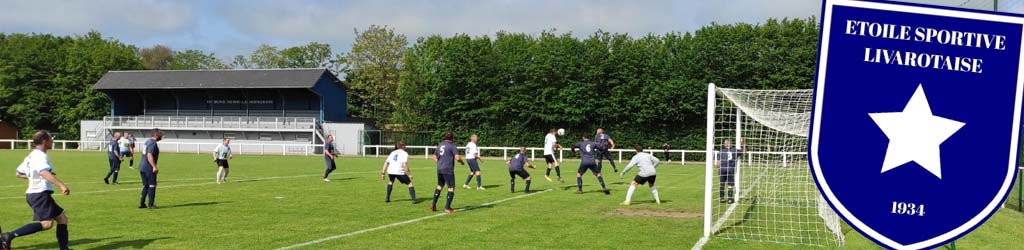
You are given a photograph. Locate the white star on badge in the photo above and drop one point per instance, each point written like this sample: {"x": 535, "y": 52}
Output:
{"x": 915, "y": 134}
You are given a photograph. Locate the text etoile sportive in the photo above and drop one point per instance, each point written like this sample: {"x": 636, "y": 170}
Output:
{"x": 924, "y": 35}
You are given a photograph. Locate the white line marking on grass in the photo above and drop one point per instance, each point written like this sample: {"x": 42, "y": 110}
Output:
{"x": 175, "y": 186}
{"x": 308, "y": 243}
{"x": 100, "y": 183}
{"x": 700, "y": 243}
{"x": 170, "y": 180}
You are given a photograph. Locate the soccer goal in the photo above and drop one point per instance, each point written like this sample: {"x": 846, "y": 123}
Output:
{"x": 775, "y": 198}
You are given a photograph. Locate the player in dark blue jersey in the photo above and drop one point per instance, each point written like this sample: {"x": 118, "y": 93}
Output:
{"x": 148, "y": 169}
{"x": 329, "y": 157}
{"x": 131, "y": 150}
{"x": 114, "y": 157}
{"x": 587, "y": 150}
{"x": 446, "y": 154}
{"x": 515, "y": 167}
{"x": 726, "y": 164}
{"x": 604, "y": 143}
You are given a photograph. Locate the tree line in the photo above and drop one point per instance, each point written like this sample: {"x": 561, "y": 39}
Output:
{"x": 509, "y": 87}
{"x": 648, "y": 90}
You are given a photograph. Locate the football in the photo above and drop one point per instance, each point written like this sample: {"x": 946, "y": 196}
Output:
{"x": 561, "y": 131}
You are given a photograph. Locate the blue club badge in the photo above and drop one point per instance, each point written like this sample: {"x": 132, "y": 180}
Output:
{"x": 916, "y": 118}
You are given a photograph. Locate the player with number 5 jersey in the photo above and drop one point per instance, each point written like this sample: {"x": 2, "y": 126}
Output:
{"x": 445, "y": 155}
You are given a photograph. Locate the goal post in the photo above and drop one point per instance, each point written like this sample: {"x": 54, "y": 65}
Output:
{"x": 774, "y": 198}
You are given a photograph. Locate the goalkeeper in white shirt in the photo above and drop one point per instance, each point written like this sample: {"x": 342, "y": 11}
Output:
{"x": 647, "y": 164}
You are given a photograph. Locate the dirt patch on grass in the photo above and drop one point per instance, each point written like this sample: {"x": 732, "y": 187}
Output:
{"x": 653, "y": 213}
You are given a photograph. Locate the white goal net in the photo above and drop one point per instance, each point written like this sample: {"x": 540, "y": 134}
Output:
{"x": 757, "y": 141}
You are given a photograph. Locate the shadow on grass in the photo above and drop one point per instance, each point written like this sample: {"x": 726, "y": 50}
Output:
{"x": 746, "y": 216}
{"x": 130, "y": 244}
{"x": 491, "y": 186}
{"x": 477, "y": 207}
{"x": 418, "y": 200}
{"x": 74, "y": 242}
{"x": 650, "y": 201}
{"x": 194, "y": 204}
{"x": 332, "y": 179}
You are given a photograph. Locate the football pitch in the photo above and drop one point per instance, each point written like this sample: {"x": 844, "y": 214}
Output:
{"x": 276, "y": 202}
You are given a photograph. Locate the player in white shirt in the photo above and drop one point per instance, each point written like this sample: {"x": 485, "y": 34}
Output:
{"x": 37, "y": 170}
{"x": 647, "y": 165}
{"x": 550, "y": 145}
{"x": 221, "y": 155}
{"x": 472, "y": 157}
{"x": 125, "y": 145}
{"x": 397, "y": 167}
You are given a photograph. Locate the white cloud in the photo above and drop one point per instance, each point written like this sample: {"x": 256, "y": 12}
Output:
{"x": 120, "y": 18}
{"x": 332, "y": 22}
{"x": 234, "y": 27}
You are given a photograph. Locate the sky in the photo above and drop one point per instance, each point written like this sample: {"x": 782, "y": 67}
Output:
{"x": 234, "y": 27}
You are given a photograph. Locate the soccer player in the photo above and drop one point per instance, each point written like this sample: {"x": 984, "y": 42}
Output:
{"x": 515, "y": 167}
{"x": 647, "y": 164}
{"x": 397, "y": 167}
{"x": 472, "y": 156}
{"x": 445, "y": 155}
{"x": 329, "y": 157}
{"x": 604, "y": 143}
{"x": 550, "y": 144}
{"x": 125, "y": 145}
{"x": 587, "y": 150}
{"x": 148, "y": 169}
{"x": 221, "y": 155}
{"x": 37, "y": 170}
{"x": 665, "y": 148}
{"x": 114, "y": 157}
{"x": 131, "y": 150}
{"x": 726, "y": 164}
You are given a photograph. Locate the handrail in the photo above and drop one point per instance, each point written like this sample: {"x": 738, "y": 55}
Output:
{"x": 208, "y": 122}
{"x": 185, "y": 147}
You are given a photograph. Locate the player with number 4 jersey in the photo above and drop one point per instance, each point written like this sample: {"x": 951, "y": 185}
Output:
{"x": 397, "y": 168}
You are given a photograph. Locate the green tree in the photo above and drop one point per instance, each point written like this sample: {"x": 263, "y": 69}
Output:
{"x": 46, "y": 81}
{"x": 241, "y": 62}
{"x": 267, "y": 57}
{"x": 646, "y": 90}
{"x": 312, "y": 55}
{"x": 157, "y": 57}
{"x": 375, "y": 64}
{"x": 195, "y": 60}
{"x": 27, "y": 66}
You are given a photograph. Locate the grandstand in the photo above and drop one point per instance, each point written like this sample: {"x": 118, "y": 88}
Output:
{"x": 293, "y": 108}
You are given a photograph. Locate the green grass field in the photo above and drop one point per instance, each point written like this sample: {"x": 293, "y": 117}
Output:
{"x": 275, "y": 201}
